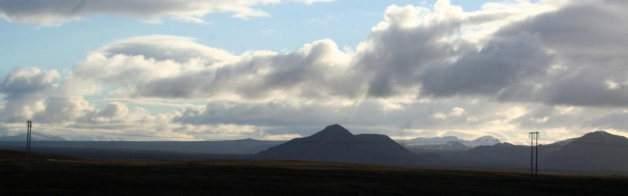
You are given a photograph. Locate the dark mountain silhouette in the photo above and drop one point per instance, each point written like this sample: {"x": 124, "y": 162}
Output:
{"x": 503, "y": 156}
{"x": 597, "y": 152}
{"x": 238, "y": 147}
{"x": 35, "y": 137}
{"x": 337, "y": 144}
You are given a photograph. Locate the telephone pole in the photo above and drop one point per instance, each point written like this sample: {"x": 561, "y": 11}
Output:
{"x": 29, "y": 132}
{"x": 534, "y": 153}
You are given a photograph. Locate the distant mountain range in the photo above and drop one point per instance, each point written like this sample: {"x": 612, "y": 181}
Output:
{"x": 597, "y": 152}
{"x": 337, "y": 144}
{"x": 238, "y": 147}
{"x": 429, "y": 141}
{"x": 35, "y": 137}
{"x": 447, "y": 143}
{"x": 244, "y": 146}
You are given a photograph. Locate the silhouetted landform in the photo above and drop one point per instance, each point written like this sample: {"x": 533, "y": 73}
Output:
{"x": 35, "y": 137}
{"x": 594, "y": 153}
{"x": 237, "y": 147}
{"x": 87, "y": 177}
{"x": 337, "y": 144}
{"x": 597, "y": 151}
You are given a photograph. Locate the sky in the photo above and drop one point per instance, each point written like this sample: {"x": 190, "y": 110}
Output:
{"x": 280, "y": 69}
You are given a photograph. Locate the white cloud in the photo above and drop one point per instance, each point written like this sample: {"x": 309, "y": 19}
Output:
{"x": 25, "y": 91}
{"x": 45, "y": 12}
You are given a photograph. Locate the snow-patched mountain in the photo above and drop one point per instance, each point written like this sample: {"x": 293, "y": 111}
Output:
{"x": 447, "y": 143}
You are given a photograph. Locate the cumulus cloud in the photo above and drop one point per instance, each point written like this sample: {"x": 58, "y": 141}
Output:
{"x": 502, "y": 63}
{"x": 55, "y": 12}
{"x": 507, "y": 67}
{"x": 142, "y": 59}
{"x": 417, "y": 45}
{"x": 25, "y": 91}
{"x": 408, "y": 48}
{"x": 178, "y": 67}
{"x": 63, "y": 109}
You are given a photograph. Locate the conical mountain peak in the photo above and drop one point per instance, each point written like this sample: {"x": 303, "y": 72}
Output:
{"x": 333, "y": 131}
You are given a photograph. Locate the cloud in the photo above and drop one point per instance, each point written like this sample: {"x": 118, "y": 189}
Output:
{"x": 558, "y": 66}
{"x": 183, "y": 68}
{"x": 63, "y": 109}
{"x": 502, "y": 63}
{"x": 145, "y": 58}
{"x": 556, "y": 58}
{"x": 437, "y": 49}
{"x": 590, "y": 52}
{"x": 403, "y": 43}
{"x": 400, "y": 54}
{"x": 44, "y": 12}
{"x": 25, "y": 91}
{"x": 26, "y": 81}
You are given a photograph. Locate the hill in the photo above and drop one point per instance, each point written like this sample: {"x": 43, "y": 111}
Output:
{"x": 598, "y": 151}
{"x": 337, "y": 144}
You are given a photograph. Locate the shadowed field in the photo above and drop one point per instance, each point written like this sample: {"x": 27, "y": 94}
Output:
{"x": 48, "y": 175}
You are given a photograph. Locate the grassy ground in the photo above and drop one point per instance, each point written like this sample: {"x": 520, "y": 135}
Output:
{"x": 44, "y": 175}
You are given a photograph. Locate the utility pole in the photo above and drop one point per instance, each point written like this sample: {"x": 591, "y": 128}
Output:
{"x": 29, "y": 132}
{"x": 534, "y": 153}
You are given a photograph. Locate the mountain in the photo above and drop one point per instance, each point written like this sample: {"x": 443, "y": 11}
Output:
{"x": 246, "y": 146}
{"x": 337, "y": 144}
{"x": 482, "y": 141}
{"x": 502, "y": 156}
{"x": 430, "y": 141}
{"x": 452, "y": 146}
{"x": 446, "y": 143}
{"x": 597, "y": 152}
{"x": 35, "y": 137}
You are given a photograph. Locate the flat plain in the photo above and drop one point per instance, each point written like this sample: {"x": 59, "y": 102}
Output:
{"x": 22, "y": 174}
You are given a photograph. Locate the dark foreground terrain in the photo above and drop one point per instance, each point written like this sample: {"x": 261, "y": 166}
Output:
{"x": 48, "y": 175}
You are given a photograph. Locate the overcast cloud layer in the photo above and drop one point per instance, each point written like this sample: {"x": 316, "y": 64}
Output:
{"x": 508, "y": 68}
